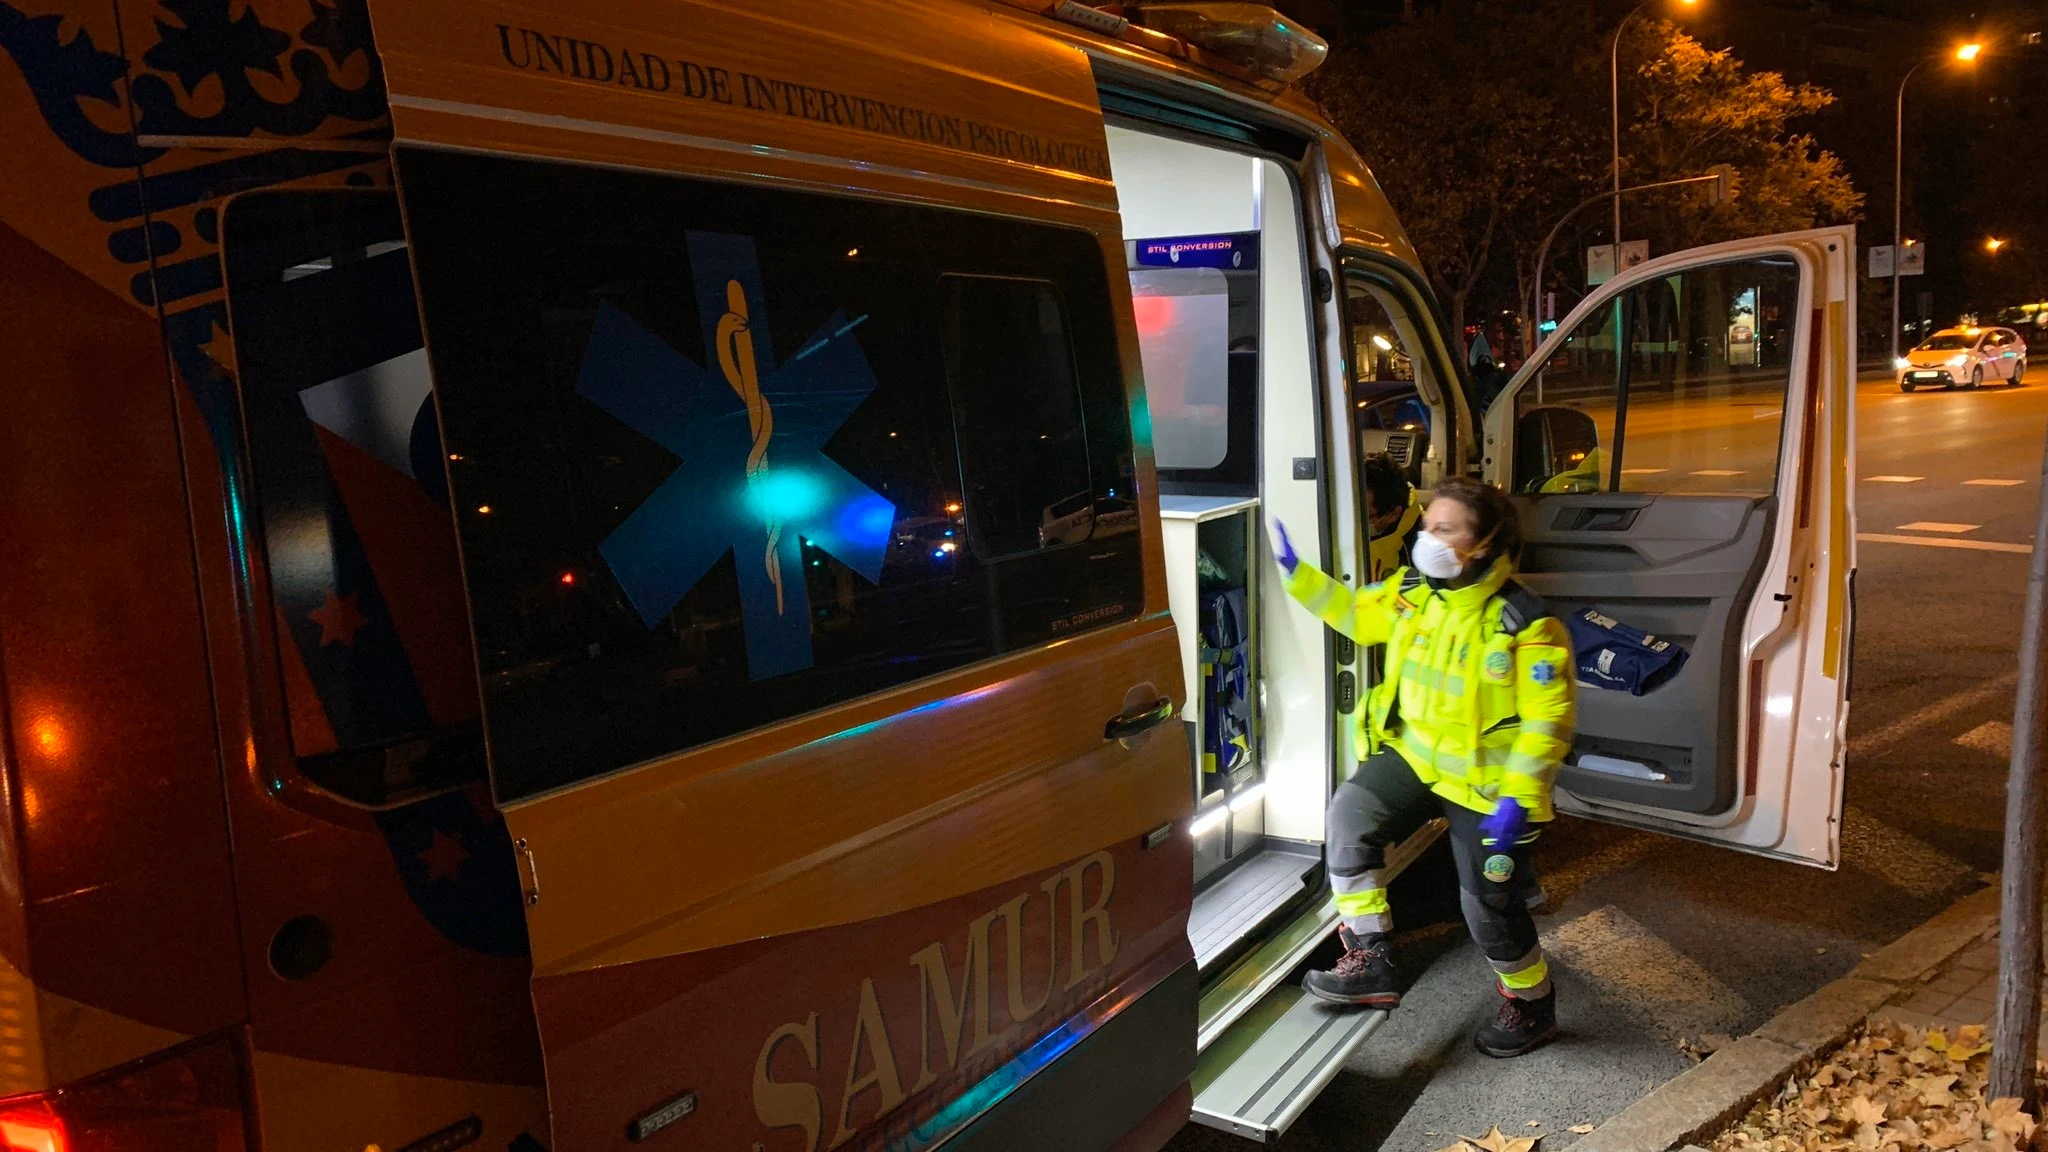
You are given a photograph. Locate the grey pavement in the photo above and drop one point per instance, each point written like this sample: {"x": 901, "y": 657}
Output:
{"x": 1657, "y": 940}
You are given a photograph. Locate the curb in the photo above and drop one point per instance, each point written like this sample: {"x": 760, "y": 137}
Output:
{"x": 1708, "y": 1096}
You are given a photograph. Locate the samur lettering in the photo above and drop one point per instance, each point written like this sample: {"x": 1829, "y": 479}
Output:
{"x": 531, "y": 50}
{"x": 959, "y": 1037}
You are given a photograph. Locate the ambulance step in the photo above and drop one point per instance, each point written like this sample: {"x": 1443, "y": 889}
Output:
{"x": 1262, "y": 1074}
{"x": 1231, "y": 993}
{"x": 1239, "y": 902}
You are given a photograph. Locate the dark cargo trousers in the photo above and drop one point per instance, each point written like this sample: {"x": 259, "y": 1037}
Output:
{"x": 1385, "y": 803}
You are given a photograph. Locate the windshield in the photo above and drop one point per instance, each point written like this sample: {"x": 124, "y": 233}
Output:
{"x": 1948, "y": 342}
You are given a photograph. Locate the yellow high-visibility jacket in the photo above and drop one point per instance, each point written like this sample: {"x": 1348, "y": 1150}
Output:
{"x": 1479, "y": 694}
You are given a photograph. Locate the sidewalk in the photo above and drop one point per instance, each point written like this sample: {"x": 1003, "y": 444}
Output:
{"x": 1942, "y": 974}
{"x": 1961, "y": 992}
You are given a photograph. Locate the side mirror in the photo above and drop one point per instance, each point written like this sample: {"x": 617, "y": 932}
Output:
{"x": 1556, "y": 450}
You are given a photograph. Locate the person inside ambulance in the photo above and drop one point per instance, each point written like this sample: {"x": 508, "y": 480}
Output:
{"x": 1393, "y": 515}
{"x": 1470, "y": 721}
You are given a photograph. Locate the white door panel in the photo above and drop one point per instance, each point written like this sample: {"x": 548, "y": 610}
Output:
{"x": 1703, "y": 530}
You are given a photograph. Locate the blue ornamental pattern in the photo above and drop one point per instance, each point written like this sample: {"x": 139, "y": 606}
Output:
{"x": 456, "y": 862}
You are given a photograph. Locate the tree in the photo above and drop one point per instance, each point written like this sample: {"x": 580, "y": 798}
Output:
{"x": 1485, "y": 122}
{"x": 1694, "y": 108}
{"x": 1468, "y": 132}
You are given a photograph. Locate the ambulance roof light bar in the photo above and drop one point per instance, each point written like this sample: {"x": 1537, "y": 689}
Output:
{"x": 1251, "y": 41}
{"x": 1254, "y": 37}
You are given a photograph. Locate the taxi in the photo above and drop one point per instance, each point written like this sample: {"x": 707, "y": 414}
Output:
{"x": 1964, "y": 357}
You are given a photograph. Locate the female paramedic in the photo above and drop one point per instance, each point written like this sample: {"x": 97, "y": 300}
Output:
{"x": 1477, "y": 707}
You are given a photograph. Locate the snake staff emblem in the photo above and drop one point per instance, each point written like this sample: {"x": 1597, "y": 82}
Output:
{"x": 736, "y": 359}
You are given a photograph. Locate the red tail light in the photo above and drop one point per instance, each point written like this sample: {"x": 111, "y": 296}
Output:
{"x": 32, "y": 1127}
{"x": 187, "y": 1101}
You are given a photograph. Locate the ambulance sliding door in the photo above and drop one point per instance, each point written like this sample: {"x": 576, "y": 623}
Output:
{"x": 827, "y": 668}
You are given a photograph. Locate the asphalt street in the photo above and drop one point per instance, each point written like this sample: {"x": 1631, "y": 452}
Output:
{"x": 1656, "y": 942}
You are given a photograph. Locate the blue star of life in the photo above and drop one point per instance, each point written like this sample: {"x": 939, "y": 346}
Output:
{"x": 754, "y": 479}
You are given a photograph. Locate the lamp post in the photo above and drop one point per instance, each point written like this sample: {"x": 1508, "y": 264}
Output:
{"x": 1722, "y": 179}
{"x": 1968, "y": 53}
{"x": 1614, "y": 112}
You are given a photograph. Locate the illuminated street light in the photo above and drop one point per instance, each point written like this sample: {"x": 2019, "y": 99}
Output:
{"x": 1614, "y": 100}
{"x": 1992, "y": 244}
{"x": 1967, "y": 54}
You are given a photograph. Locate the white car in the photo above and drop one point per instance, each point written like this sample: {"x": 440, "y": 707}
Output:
{"x": 1964, "y": 357}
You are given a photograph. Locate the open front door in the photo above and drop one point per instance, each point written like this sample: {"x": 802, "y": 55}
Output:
{"x": 1681, "y": 450}
{"x": 787, "y": 395}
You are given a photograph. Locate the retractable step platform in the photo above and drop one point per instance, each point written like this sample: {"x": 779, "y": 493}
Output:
{"x": 1293, "y": 1046}
{"x": 1267, "y": 1047}
{"x": 1226, "y": 910}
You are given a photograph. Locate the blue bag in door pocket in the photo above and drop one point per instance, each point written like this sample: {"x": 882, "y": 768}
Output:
{"x": 1611, "y": 654}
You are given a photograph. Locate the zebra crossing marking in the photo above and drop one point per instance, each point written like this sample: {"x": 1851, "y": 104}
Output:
{"x": 1902, "y": 860}
{"x": 1666, "y": 990}
{"x": 1993, "y": 737}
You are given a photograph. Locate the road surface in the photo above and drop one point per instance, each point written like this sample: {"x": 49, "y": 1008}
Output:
{"x": 1656, "y": 941}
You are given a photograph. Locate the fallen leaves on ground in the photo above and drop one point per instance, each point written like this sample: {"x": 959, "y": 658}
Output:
{"x": 1496, "y": 1141}
{"x": 1581, "y": 1129}
{"x": 1891, "y": 1089}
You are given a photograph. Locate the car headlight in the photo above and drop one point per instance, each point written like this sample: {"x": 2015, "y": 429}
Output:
{"x": 1901, "y": 364}
{"x": 1958, "y": 360}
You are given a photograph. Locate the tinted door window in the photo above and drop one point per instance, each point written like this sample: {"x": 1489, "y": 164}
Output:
{"x": 722, "y": 455}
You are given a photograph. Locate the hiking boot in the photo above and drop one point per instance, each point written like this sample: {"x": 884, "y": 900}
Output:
{"x": 1521, "y": 1026}
{"x": 1364, "y": 975}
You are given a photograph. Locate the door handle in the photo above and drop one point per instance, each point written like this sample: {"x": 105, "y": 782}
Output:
{"x": 1129, "y": 724}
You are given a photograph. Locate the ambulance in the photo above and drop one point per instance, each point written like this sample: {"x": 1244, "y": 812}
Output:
{"x": 694, "y": 574}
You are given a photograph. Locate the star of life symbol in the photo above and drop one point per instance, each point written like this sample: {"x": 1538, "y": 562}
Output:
{"x": 754, "y": 479}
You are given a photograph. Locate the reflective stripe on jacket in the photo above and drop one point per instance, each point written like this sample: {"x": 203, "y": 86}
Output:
{"x": 1478, "y": 695}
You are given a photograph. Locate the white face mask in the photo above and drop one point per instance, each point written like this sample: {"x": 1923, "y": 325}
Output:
{"x": 1436, "y": 559}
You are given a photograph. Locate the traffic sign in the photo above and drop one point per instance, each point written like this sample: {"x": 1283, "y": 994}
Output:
{"x": 1912, "y": 259}
{"x": 1600, "y": 259}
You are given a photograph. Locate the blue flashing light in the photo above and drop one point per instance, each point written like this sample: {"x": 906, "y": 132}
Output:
{"x": 869, "y": 517}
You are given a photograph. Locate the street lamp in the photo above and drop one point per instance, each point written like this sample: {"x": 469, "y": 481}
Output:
{"x": 1966, "y": 54}
{"x": 1722, "y": 178}
{"x": 1992, "y": 244}
{"x": 1614, "y": 101}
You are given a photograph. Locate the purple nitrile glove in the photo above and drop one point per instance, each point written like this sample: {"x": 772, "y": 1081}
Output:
{"x": 1504, "y": 827}
{"x": 1283, "y": 549}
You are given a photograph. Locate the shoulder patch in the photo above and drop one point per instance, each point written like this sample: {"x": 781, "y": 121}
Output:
{"x": 1519, "y": 608}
